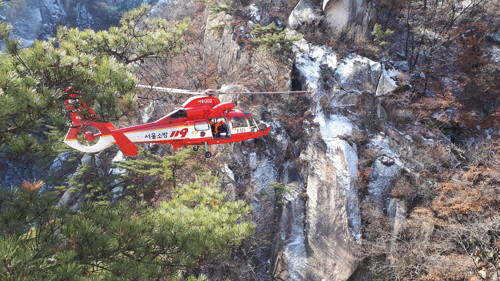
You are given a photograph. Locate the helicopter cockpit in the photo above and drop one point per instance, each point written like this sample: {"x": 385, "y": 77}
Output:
{"x": 244, "y": 122}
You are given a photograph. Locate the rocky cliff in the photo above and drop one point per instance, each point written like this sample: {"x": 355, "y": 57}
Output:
{"x": 333, "y": 148}
{"x": 318, "y": 219}
{"x": 38, "y": 19}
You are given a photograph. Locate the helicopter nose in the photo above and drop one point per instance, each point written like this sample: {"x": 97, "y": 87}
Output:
{"x": 263, "y": 126}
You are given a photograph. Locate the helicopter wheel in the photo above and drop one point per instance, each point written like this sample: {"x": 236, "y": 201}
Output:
{"x": 208, "y": 154}
{"x": 195, "y": 148}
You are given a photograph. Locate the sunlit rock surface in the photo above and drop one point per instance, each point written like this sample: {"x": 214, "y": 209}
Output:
{"x": 38, "y": 19}
{"x": 351, "y": 16}
{"x": 304, "y": 13}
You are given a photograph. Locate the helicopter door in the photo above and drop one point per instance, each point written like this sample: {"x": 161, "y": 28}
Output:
{"x": 221, "y": 128}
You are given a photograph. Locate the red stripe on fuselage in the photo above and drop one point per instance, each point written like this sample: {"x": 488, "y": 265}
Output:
{"x": 222, "y": 140}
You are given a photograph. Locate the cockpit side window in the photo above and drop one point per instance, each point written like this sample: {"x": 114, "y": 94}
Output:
{"x": 239, "y": 122}
{"x": 181, "y": 113}
{"x": 201, "y": 126}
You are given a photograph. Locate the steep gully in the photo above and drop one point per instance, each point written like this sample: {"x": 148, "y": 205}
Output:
{"x": 318, "y": 219}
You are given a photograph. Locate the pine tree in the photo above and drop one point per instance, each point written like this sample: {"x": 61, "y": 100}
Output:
{"x": 271, "y": 38}
{"x": 122, "y": 240}
{"x": 98, "y": 65}
{"x": 148, "y": 176}
{"x": 380, "y": 34}
{"x": 119, "y": 241}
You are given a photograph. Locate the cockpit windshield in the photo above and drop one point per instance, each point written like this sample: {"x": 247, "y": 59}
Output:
{"x": 179, "y": 113}
{"x": 251, "y": 122}
{"x": 261, "y": 126}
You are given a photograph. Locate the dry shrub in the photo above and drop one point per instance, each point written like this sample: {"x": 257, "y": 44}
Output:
{"x": 376, "y": 225}
{"x": 476, "y": 237}
{"x": 404, "y": 256}
{"x": 472, "y": 190}
{"x": 326, "y": 105}
{"x": 402, "y": 187}
{"x": 435, "y": 157}
{"x": 425, "y": 216}
{"x": 372, "y": 154}
{"x": 361, "y": 184}
{"x": 272, "y": 73}
{"x": 457, "y": 198}
{"x": 429, "y": 248}
{"x": 450, "y": 267}
{"x": 357, "y": 137}
{"x": 397, "y": 110}
{"x": 32, "y": 186}
{"x": 486, "y": 153}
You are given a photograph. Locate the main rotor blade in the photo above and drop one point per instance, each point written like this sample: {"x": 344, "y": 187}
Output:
{"x": 211, "y": 92}
{"x": 260, "y": 93}
{"x": 171, "y": 90}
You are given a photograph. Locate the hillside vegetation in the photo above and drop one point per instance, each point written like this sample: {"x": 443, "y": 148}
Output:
{"x": 162, "y": 215}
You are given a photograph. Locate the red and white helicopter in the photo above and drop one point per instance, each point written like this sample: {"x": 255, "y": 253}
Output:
{"x": 202, "y": 120}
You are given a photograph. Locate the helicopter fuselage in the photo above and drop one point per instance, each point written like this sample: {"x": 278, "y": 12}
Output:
{"x": 202, "y": 120}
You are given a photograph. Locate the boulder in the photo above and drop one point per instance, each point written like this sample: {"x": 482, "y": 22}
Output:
{"x": 381, "y": 113}
{"x": 391, "y": 80}
{"x": 229, "y": 184}
{"x": 222, "y": 48}
{"x": 495, "y": 54}
{"x": 259, "y": 15}
{"x": 329, "y": 165}
{"x": 291, "y": 259}
{"x": 26, "y": 21}
{"x": 304, "y": 13}
{"x": 340, "y": 14}
{"x": 342, "y": 98}
{"x": 495, "y": 36}
{"x": 397, "y": 210}
{"x": 83, "y": 17}
{"x": 358, "y": 74}
{"x": 385, "y": 169}
{"x": 38, "y": 19}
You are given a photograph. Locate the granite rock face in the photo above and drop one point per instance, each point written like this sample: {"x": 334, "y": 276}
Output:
{"x": 222, "y": 47}
{"x": 314, "y": 222}
{"x": 38, "y": 19}
{"x": 353, "y": 16}
{"x": 304, "y": 13}
{"x": 358, "y": 74}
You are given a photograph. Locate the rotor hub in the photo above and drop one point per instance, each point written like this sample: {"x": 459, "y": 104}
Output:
{"x": 89, "y": 136}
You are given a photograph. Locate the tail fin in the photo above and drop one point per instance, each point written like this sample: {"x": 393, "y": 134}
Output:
{"x": 107, "y": 138}
{"x": 108, "y": 131}
{"x": 75, "y": 106}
